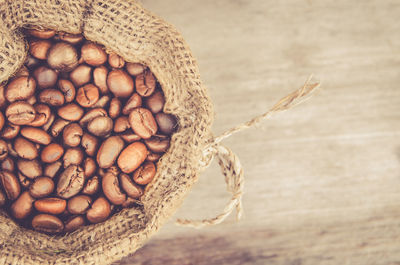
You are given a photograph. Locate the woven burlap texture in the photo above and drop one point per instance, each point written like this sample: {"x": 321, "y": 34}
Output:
{"x": 126, "y": 28}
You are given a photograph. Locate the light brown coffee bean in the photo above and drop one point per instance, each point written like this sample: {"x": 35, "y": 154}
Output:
{"x": 52, "y": 153}
{"x": 133, "y": 102}
{"x": 20, "y": 88}
{"x": 102, "y": 102}
{"x": 91, "y": 115}
{"x": 89, "y": 144}
{"x": 20, "y": 113}
{"x": 58, "y": 127}
{"x": 51, "y": 205}
{"x": 63, "y": 57}
{"x": 8, "y": 164}
{"x": 109, "y": 151}
{"x": 31, "y": 62}
{"x": 132, "y": 156}
{"x": 52, "y": 97}
{"x": 87, "y": 95}
{"x": 79, "y": 204}
{"x": 71, "y": 112}
{"x": 121, "y": 124}
{"x": 92, "y": 186}
{"x": 23, "y": 206}
{"x": 100, "y": 78}
{"x": 10, "y": 184}
{"x": 99, "y": 211}
{"x": 81, "y": 75}
{"x": 135, "y": 69}
{"x": 73, "y": 223}
{"x": 4, "y": 150}
{"x": 43, "y": 114}
{"x": 89, "y": 167}
{"x": 73, "y": 156}
{"x": 143, "y": 123}
{"x": 36, "y": 135}
{"x": 167, "y": 123}
{"x": 51, "y": 170}
{"x": 115, "y": 61}
{"x": 115, "y": 108}
{"x": 145, "y": 84}
{"x": 23, "y": 71}
{"x": 49, "y": 122}
{"x": 72, "y": 134}
{"x": 120, "y": 83}
{"x": 145, "y": 173}
{"x": 130, "y": 202}
{"x": 158, "y": 143}
{"x": 41, "y": 187}
{"x": 32, "y": 100}
{"x": 68, "y": 89}
{"x": 10, "y": 131}
{"x": 45, "y": 77}
{"x": 153, "y": 157}
{"x": 2, "y": 121}
{"x": 41, "y": 34}
{"x": 10, "y": 149}
{"x": 130, "y": 137}
{"x": 30, "y": 168}
{"x": 100, "y": 126}
{"x": 24, "y": 181}
{"x": 70, "y": 38}
{"x": 3, "y": 198}
{"x": 111, "y": 189}
{"x": 47, "y": 223}
{"x": 71, "y": 182}
{"x": 93, "y": 54}
{"x": 25, "y": 148}
{"x": 133, "y": 190}
{"x": 39, "y": 48}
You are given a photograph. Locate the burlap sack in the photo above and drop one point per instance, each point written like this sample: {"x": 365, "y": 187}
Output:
{"x": 126, "y": 28}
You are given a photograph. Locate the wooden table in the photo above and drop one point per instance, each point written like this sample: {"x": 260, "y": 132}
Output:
{"x": 322, "y": 180}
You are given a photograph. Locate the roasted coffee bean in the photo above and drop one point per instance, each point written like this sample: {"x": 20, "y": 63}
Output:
{"x": 36, "y": 135}
{"x": 115, "y": 61}
{"x": 51, "y": 205}
{"x": 3, "y": 150}
{"x": 99, "y": 211}
{"x": 39, "y": 48}
{"x": 20, "y": 113}
{"x": 130, "y": 202}
{"x": 93, "y": 54}
{"x": 111, "y": 189}
{"x": 143, "y": 123}
{"x": 102, "y": 102}
{"x": 41, "y": 34}
{"x": 45, "y": 77}
{"x": 79, "y": 204}
{"x": 2, "y": 97}
{"x": 30, "y": 168}
{"x": 70, "y": 38}
{"x": 58, "y": 126}
{"x": 68, "y": 89}
{"x": 62, "y": 56}
{"x": 71, "y": 182}
{"x": 49, "y": 122}
{"x": 32, "y": 100}
{"x": 100, "y": 126}
{"x": 52, "y": 153}
{"x": 51, "y": 170}
{"x": 43, "y": 114}
{"x": 8, "y": 164}
{"x": 24, "y": 181}
{"x": 109, "y": 151}
{"x": 10, "y": 184}
{"x": 23, "y": 71}
{"x": 73, "y": 223}
{"x": 31, "y": 61}
{"x": 52, "y": 97}
{"x": 133, "y": 190}
{"x": 10, "y": 131}
{"x": 135, "y": 69}
{"x": 121, "y": 124}
{"x": 130, "y": 137}
{"x": 120, "y": 83}
{"x": 166, "y": 123}
{"x": 92, "y": 186}
{"x": 145, "y": 84}
{"x": 155, "y": 102}
{"x": 20, "y": 88}
{"x": 23, "y": 206}
{"x": 153, "y": 157}
{"x": 115, "y": 108}
{"x": 89, "y": 167}
{"x": 73, "y": 156}
{"x": 91, "y": 115}
{"x": 131, "y": 157}
{"x": 145, "y": 173}
{"x": 89, "y": 144}
{"x": 87, "y": 95}
{"x": 2, "y": 121}
{"x": 3, "y": 198}
{"x": 81, "y": 75}
{"x": 10, "y": 148}
{"x": 133, "y": 102}
{"x": 158, "y": 143}
{"x": 47, "y": 223}
{"x": 100, "y": 79}
{"x": 25, "y": 148}
{"x": 41, "y": 187}
{"x": 71, "y": 112}
{"x": 72, "y": 134}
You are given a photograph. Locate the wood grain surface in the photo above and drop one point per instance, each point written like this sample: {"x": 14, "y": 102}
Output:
{"x": 322, "y": 181}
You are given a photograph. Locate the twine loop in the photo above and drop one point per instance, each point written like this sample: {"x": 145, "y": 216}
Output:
{"x": 230, "y": 163}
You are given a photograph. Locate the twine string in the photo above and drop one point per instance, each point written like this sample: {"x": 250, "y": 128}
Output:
{"x": 230, "y": 163}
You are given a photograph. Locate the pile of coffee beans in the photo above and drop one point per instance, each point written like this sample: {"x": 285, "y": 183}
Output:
{"x": 80, "y": 133}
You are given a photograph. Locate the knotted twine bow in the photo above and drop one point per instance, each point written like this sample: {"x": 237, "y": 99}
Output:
{"x": 230, "y": 163}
